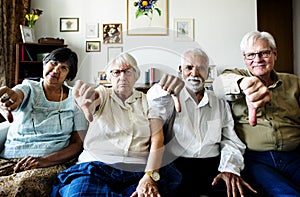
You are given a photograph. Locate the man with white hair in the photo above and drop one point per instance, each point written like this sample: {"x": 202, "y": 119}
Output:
{"x": 201, "y": 138}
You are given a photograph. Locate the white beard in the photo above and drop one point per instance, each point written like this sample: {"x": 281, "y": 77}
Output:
{"x": 195, "y": 86}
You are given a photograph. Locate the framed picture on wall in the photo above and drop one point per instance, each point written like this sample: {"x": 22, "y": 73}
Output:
{"x": 147, "y": 18}
{"x": 27, "y": 34}
{"x": 69, "y": 24}
{"x": 184, "y": 29}
{"x": 92, "y": 30}
{"x": 112, "y": 33}
{"x": 93, "y": 46}
{"x": 113, "y": 52}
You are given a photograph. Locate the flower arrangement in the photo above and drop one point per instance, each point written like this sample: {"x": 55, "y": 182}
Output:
{"x": 146, "y": 8}
{"x": 33, "y": 17}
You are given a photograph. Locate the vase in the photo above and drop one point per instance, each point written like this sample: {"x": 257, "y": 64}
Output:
{"x": 31, "y": 23}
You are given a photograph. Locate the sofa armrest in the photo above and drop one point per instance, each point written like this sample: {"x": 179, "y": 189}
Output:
{"x": 3, "y": 132}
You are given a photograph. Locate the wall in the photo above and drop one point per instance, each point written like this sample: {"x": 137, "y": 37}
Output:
{"x": 218, "y": 28}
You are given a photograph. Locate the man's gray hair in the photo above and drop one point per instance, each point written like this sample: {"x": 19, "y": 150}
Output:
{"x": 253, "y": 36}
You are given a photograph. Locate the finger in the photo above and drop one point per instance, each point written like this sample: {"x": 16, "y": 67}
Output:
{"x": 6, "y": 114}
{"x": 76, "y": 88}
{"x": 134, "y": 194}
{"x": 249, "y": 186}
{"x": 9, "y": 117}
{"x": 177, "y": 103}
{"x": 163, "y": 79}
{"x": 215, "y": 181}
{"x": 240, "y": 188}
{"x": 167, "y": 85}
{"x": 178, "y": 88}
{"x": 252, "y": 116}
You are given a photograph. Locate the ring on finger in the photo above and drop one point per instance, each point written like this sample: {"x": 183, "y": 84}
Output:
{"x": 24, "y": 165}
{"x": 5, "y": 96}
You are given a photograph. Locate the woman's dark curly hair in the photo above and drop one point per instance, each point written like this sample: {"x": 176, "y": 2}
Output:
{"x": 64, "y": 55}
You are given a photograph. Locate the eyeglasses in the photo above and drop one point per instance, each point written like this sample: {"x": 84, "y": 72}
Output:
{"x": 264, "y": 54}
{"x": 117, "y": 73}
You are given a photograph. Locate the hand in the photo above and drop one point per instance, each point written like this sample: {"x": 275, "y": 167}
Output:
{"x": 31, "y": 163}
{"x": 257, "y": 95}
{"x": 146, "y": 188}
{"x": 9, "y": 101}
{"x": 173, "y": 85}
{"x": 234, "y": 184}
{"x": 86, "y": 98}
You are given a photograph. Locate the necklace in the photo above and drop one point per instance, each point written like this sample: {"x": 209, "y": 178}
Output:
{"x": 60, "y": 103}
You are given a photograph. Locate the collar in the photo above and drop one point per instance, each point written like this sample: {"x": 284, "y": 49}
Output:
{"x": 204, "y": 101}
{"x": 274, "y": 77}
{"x": 131, "y": 99}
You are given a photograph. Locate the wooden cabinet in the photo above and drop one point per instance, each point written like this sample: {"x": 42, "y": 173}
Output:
{"x": 29, "y": 63}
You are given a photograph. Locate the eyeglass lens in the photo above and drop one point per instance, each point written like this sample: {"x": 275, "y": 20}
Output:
{"x": 117, "y": 73}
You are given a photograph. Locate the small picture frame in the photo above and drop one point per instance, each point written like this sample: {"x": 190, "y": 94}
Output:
{"x": 184, "y": 29}
{"x": 113, "y": 52}
{"x": 92, "y": 30}
{"x": 112, "y": 33}
{"x": 69, "y": 24}
{"x": 27, "y": 34}
{"x": 93, "y": 46}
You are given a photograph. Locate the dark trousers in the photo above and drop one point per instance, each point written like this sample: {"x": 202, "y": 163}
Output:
{"x": 273, "y": 173}
{"x": 197, "y": 176}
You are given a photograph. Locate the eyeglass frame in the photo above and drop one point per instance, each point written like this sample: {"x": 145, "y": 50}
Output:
{"x": 127, "y": 72}
{"x": 263, "y": 54}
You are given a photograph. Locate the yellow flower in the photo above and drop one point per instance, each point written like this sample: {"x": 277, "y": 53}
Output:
{"x": 33, "y": 17}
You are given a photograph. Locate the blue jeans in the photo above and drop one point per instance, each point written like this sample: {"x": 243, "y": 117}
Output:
{"x": 276, "y": 173}
{"x": 97, "y": 179}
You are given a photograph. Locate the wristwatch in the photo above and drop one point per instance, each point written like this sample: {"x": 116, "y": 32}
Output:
{"x": 154, "y": 175}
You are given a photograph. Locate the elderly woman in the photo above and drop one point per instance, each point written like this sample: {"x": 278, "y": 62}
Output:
{"x": 124, "y": 145}
{"x": 47, "y": 128}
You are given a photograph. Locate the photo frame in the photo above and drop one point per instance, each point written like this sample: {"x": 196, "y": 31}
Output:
{"x": 27, "y": 34}
{"x": 112, "y": 33}
{"x": 151, "y": 21}
{"x": 92, "y": 30}
{"x": 93, "y": 46}
{"x": 184, "y": 29}
{"x": 113, "y": 52}
{"x": 69, "y": 24}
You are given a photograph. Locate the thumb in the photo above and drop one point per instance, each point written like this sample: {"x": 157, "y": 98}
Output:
{"x": 87, "y": 113}
{"x": 9, "y": 117}
{"x": 252, "y": 116}
{"x": 177, "y": 103}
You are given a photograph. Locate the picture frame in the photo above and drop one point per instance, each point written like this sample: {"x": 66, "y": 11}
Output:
{"x": 69, "y": 24}
{"x": 27, "y": 34}
{"x": 147, "y": 22}
{"x": 112, "y": 33}
{"x": 113, "y": 52}
{"x": 92, "y": 30}
{"x": 93, "y": 46}
{"x": 184, "y": 29}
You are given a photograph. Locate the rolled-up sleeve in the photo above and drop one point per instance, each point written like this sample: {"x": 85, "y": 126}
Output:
{"x": 160, "y": 103}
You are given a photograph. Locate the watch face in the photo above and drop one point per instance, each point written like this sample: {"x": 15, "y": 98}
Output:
{"x": 155, "y": 176}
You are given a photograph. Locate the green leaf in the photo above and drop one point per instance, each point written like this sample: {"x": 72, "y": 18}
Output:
{"x": 158, "y": 11}
{"x": 139, "y": 13}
